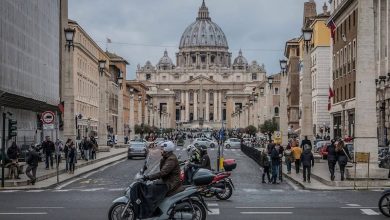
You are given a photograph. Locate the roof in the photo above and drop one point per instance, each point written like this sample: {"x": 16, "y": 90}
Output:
{"x": 114, "y": 57}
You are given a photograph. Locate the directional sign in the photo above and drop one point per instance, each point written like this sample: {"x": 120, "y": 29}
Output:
{"x": 48, "y": 117}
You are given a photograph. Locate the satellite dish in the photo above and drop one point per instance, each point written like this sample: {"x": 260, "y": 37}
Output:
{"x": 344, "y": 38}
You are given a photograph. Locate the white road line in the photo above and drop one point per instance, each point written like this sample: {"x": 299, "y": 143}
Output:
{"x": 40, "y": 207}
{"x": 277, "y": 190}
{"x": 266, "y": 213}
{"x": 213, "y": 212}
{"x": 250, "y": 190}
{"x": 35, "y": 190}
{"x": 9, "y": 191}
{"x": 369, "y": 212}
{"x": 23, "y": 213}
{"x": 115, "y": 190}
{"x": 91, "y": 190}
{"x": 353, "y": 205}
{"x": 61, "y": 190}
{"x": 68, "y": 183}
{"x": 264, "y": 207}
{"x": 359, "y": 207}
{"x": 212, "y": 204}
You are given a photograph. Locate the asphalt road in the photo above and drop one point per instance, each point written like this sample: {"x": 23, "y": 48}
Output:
{"x": 90, "y": 196}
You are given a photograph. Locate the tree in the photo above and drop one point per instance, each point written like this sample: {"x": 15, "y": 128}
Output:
{"x": 251, "y": 130}
{"x": 269, "y": 127}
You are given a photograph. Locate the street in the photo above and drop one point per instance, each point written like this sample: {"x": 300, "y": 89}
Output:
{"x": 90, "y": 196}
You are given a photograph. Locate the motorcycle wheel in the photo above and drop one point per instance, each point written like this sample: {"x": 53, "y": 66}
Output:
{"x": 227, "y": 192}
{"x": 116, "y": 210}
{"x": 384, "y": 204}
{"x": 198, "y": 210}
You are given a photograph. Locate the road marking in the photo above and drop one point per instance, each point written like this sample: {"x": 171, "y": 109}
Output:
{"x": 105, "y": 167}
{"x": 213, "y": 212}
{"x": 91, "y": 190}
{"x": 353, "y": 205}
{"x": 369, "y": 212}
{"x": 266, "y": 213}
{"x": 115, "y": 190}
{"x": 212, "y": 204}
{"x": 358, "y": 207}
{"x": 68, "y": 183}
{"x": 40, "y": 207}
{"x": 250, "y": 190}
{"x": 9, "y": 191}
{"x": 35, "y": 190}
{"x": 61, "y": 190}
{"x": 264, "y": 207}
{"x": 277, "y": 190}
{"x": 23, "y": 213}
{"x": 234, "y": 150}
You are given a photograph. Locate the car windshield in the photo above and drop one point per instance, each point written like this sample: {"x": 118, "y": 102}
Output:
{"x": 138, "y": 145}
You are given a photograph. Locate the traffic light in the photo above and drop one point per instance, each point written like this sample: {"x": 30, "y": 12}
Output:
{"x": 12, "y": 129}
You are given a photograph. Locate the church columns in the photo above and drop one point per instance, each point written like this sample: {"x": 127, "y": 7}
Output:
{"x": 207, "y": 106}
{"x": 215, "y": 94}
{"x": 187, "y": 116}
{"x": 182, "y": 102}
{"x": 220, "y": 106}
{"x": 195, "y": 105}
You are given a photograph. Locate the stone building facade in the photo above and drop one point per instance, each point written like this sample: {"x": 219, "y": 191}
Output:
{"x": 204, "y": 85}
{"x": 30, "y": 62}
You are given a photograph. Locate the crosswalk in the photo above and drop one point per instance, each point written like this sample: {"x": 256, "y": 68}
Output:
{"x": 363, "y": 210}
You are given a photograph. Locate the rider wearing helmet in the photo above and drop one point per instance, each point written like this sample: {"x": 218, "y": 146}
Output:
{"x": 205, "y": 159}
{"x": 169, "y": 169}
{"x": 193, "y": 154}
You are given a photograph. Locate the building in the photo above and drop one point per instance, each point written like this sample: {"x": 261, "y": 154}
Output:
{"x": 30, "y": 62}
{"x": 204, "y": 85}
{"x": 292, "y": 53}
{"x": 320, "y": 73}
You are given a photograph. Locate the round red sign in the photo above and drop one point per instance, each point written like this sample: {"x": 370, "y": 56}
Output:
{"x": 48, "y": 117}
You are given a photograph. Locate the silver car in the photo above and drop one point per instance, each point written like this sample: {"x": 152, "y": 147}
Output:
{"x": 232, "y": 143}
{"x": 204, "y": 142}
{"x": 137, "y": 149}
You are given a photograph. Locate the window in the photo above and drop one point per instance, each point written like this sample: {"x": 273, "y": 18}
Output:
{"x": 238, "y": 78}
{"x": 276, "y": 91}
{"x": 354, "y": 18}
{"x": 254, "y": 76}
{"x": 193, "y": 59}
{"x": 212, "y": 59}
{"x": 203, "y": 59}
{"x": 211, "y": 77}
{"x": 148, "y": 76}
{"x": 164, "y": 77}
{"x": 276, "y": 111}
{"x": 341, "y": 94}
{"x": 191, "y": 77}
{"x": 349, "y": 91}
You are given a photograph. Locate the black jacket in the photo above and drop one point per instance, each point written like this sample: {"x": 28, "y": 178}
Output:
{"x": 275, "y": 157}
{"x": 13, "y": 153}
{"x": 343, "y": 156}
{"x": 331, "y": 149}
{"x": 205, "y": 162}
{"x": 32, "y": 158}
{"x": 307, "y": 158}
{"x": 86, "y": 145}
{"x": 48, "y": 147}
{"x": 304, "y": 142}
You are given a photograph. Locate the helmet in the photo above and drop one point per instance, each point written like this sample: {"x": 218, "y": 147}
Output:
{"x": 168, "y": 146}
{"x": 190, "y": 148}
{"x": 202, "y": 148}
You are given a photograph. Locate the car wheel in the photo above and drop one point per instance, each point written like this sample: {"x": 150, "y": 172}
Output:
{"x": 212, "y": 145}
{"x": 228, "y": 146}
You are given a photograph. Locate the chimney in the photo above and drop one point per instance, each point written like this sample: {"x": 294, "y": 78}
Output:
{"x": 309, "y": 10}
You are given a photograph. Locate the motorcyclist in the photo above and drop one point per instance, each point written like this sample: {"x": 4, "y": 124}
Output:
{"x": 193, "y": 154}
{"x": 204, "y": 161}
{"x": 169, "y": 169}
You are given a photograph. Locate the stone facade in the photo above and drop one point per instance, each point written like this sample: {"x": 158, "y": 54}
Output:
{"x": 201, "y": 89}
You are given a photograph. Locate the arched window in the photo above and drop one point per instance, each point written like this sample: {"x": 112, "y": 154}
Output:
{"x": 276, "y": 111}
{"x": 276, "y": 91}
{"x": 254, "y": 76}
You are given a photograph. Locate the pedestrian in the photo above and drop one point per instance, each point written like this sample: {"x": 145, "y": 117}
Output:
{"x": 332, "y": 158}
{"x": 32, "y": 165}
{"x": 296, "y": 152}
{"x": 342, "y": 153}
{"x": 85, "y": 145}
{"x": 275, "y": 164}
{"x": 72, "y": 157}
{"x": 94, "y": 147}
{"x": 306, "y": 141}
{"x": 48, "y": 149}
{"x": 265, "y": 163}
{"x": 66, "y": 153}
{"x": 288, "y": 158}
{"x": 307, "y": 160}
{"x": 270, "y": 146}
{"x": 58, "y": 147}
{"x": 13, "y": 153}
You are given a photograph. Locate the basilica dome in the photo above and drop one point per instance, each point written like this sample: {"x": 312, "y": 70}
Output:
{"x": 165, "y": 62}
{"x": 203, "y": 32}
{"x": 240, "y": 60}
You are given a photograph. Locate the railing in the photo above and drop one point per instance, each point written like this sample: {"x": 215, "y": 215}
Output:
{"x": 252, "y": 153}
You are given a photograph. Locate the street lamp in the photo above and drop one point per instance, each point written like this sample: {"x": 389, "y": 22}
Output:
{"x": 270, "y": 81}
{"x": 382, "y": 82}
{"x": 307, "y": 36}
{"x": 120, "y": 79}
{"x": 102, "y": 65}
{"x": 69, "y": 36}
{"x": 283, "y": 66}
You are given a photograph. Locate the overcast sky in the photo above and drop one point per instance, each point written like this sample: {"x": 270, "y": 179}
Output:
{"x": 140, "y": 30}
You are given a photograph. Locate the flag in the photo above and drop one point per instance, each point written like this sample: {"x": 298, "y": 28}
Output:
{"x": 330, "y": 96}
{"x": 109, "y": 40}
{"x": 332, "y": 26}
{"x": 331, "y": 93}
{"x": 61, "y": 107}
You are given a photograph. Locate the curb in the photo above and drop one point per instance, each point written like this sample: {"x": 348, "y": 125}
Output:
{"x": 22, "y": 184}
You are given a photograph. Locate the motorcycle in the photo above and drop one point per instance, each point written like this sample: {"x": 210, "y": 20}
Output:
{"x": 221, "y": 186}
{"x": 187, "y": 204}
{"x": 384, "y": 203}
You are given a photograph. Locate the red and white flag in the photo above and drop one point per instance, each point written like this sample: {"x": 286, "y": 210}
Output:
{"x": 330, "y": 96}
{"x": 332, "y": 27}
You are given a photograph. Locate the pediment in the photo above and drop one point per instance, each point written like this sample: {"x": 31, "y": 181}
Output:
{"x": 200, "y": 79}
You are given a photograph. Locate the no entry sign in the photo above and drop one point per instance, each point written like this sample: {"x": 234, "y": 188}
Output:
{"x": 48, "y": 117}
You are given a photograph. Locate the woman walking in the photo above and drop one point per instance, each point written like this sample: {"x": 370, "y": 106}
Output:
{"x": 66, "y": 153}
{"x": 265, "y": 162}
{"x": 342, "y": 153}
{"x": 288, "y": 158}
{"x": 72, "y": 157}
{"x": 332, "y": 158}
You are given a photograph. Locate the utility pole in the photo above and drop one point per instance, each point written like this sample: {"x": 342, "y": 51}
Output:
{"x": 3, "y": 151}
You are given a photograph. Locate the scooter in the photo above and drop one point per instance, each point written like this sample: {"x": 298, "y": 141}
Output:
{"x": 187, "y": 204}
{"x": 384, "y": 203}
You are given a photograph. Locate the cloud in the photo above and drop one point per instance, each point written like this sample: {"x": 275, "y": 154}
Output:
{"x": 142, "y": 29}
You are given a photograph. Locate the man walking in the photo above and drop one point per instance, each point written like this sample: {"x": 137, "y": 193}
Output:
{"x": 48, "y": 149}
{"x": 275, "y": 164}
{"x": 332, "y": 158}
{"x": 296, "y": 152}
{"x": 307, "y": 160}
{"x": 86, "y": 145}
{"x": 32, "y": 165}
{"x": 306, "y": 141}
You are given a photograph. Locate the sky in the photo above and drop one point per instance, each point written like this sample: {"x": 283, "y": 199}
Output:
{"x": 140, "y": 30}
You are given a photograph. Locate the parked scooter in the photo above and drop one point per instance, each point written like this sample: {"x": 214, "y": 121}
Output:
{"x": 221, "y": 186}
{"x": 384, "y": 203}
{"x": 187, "y": 204}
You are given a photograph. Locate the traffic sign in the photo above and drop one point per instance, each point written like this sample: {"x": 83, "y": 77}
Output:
{"x": 278, "y": 137}
{"x": 48, "y": 126}
{"x": 48, "y": 117}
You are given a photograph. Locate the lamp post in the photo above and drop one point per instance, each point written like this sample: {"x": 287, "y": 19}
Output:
{"x": 69, "y": 36}
{"x": 283, "y": 66}
{"x": 382, "y": 83}
{"x": 307, "y": 35}
{"x": 131, "y": 116}
{"x": 270, "y": 81}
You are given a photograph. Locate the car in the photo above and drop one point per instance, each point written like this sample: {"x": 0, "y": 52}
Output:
{"x": 204, "y": 142}
{"x": 158, "y": 142}
{"x": 137, "y": 149}
{"x": 248, "y": 142}
{"x": 232, "y": 143}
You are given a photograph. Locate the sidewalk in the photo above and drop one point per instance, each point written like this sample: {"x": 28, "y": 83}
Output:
{"x": 47, "y": 178}
{"x": 320, "y": 179}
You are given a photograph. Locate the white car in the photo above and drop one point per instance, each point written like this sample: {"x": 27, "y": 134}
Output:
{"x": 204, "y": 142}
{"x": 232, "y": 143}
